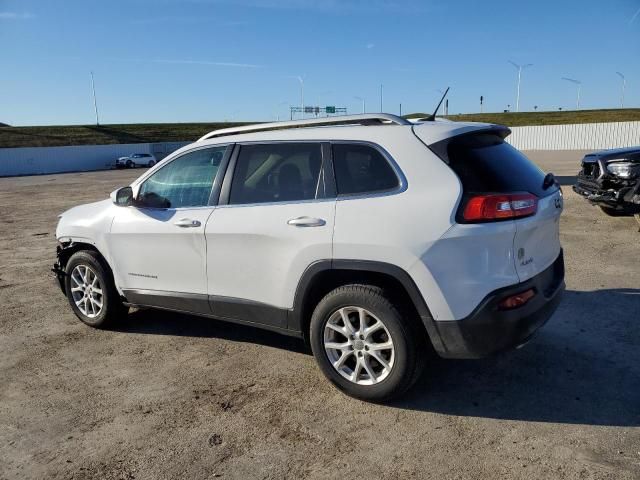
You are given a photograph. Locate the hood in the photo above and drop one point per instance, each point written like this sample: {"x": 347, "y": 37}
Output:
{"x": 630, "y": 153}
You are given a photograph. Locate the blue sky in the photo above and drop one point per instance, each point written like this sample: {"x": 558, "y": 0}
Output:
{"x": 209, "y": 60}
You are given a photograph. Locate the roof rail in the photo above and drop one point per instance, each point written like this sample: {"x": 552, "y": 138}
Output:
{"x": 362, "y": 119}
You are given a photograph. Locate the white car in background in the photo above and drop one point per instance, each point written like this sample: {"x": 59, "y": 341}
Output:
{"x": 377, "y": 242}
{"x": 136, "y": 160}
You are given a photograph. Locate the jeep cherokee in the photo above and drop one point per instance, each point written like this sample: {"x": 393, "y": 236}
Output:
{"x": 376, "y": 239}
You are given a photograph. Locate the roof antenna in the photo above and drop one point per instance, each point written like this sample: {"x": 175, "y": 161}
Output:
{"x": 432, "y": 117}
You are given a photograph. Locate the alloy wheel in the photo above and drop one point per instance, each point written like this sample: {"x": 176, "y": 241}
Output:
{"x": 359, "y": 345}
{"x": 86, "y": 291}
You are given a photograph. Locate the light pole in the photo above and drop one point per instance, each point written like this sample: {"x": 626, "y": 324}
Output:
{"x": 381, "y": 98}
{"x": 95, "y": 103}
{"x": 624, "y": 84}
{"x": 520, "y": 68}
{"x": 575, "y": 82}
{"x": 364, "y": 105}
{"x": 278, "y": 110}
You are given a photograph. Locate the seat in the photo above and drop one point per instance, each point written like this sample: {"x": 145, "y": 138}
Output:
{"x": 290, "y": 183}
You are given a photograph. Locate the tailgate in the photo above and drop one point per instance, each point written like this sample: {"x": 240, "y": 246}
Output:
{"x": 536, "y": 242}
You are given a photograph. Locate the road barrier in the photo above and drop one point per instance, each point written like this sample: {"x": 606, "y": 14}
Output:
{"x": 583, "y": 136}
{"x": 80, "y": 158}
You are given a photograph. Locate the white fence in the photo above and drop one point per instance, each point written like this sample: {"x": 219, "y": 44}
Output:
{"x": 585, "y": 136}
{"x": 39, "y": 160}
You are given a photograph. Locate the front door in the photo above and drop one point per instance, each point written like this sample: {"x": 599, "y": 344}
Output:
{"x": 158, "y": 246}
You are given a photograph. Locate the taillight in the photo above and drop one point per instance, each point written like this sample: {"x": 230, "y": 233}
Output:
{"x": 485, "y": 208}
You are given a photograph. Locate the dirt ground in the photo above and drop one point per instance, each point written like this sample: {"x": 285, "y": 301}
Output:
{"x": 171, "y": 396}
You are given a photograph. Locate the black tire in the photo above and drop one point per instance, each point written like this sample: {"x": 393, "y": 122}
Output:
{"x": 130, "y": 164}
{"x": 112, "y": 307}
{"x": 623, "y": 211}
{"x": 408, "y": 342}
{"x": 151, "y": 163}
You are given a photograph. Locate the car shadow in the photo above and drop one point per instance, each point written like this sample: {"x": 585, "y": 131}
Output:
{"x": 160, "y": 322}
{"x": 566, "y": 180}
{"x": 583, "y": 367}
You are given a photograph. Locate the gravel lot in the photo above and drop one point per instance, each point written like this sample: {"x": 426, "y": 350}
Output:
{"x": 172, "y": 396}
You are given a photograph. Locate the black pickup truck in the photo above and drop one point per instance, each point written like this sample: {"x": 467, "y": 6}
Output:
{"x": 611, "y": 180}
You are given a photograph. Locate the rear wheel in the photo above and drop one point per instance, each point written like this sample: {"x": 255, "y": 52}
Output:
{"x": 91, "y": 291}
{"x": 363, "y": 345}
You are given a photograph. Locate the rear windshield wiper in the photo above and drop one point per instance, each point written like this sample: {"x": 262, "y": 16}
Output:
{"x": 549, "y": 179}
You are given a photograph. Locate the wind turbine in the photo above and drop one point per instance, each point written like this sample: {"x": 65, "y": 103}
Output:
{"x": 624, "y": 84}
{"x": 575, "y": 82}
{"x": 520, "y": 68}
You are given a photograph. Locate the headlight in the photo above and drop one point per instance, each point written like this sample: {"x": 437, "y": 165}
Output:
{"x": 624, "y": 169}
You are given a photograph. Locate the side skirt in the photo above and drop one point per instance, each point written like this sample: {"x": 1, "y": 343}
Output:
{"x": 227, "y": 309}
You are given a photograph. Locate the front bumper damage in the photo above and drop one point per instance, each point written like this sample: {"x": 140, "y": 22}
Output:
{"x": 608, "y": 192}
{"x": 63, "y": 252}
{"x": 600, "y": 187}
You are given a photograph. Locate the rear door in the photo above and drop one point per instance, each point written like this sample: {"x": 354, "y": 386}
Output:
{"x": 485, "y": 163}
{"x": 274, "y": 219}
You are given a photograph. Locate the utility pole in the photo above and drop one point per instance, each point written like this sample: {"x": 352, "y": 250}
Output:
{"x": 624, "y": 84}
{"x": 364, "y": 106}
{"x": 575, "y": 82}
{"x": 481, "y": 100}
{"x": 400, "y": 109}
{"x": 381, "y": 98}
{"x": 95, "y": 103}
{"x": 520, "y": 68}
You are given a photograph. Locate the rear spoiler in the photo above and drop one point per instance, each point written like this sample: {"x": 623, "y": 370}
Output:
{"x": 441, "y": 148}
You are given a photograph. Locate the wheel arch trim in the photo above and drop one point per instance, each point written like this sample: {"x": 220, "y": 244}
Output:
{"x": 296, "y": 320}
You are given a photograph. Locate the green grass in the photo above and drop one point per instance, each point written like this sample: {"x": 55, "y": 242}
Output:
{"x": 52, "y": 136}
{"x": 513, "y": 119}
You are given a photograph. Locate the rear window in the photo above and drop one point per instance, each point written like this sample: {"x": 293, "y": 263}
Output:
{"x": 361, "y": 169}
{"x": 486, "y": 163}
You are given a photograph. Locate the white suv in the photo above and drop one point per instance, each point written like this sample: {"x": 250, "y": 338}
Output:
{"x": 136, "y": 160}
{"x": 377, "y": 240}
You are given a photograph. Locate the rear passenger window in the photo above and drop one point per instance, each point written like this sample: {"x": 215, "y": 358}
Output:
{"x": 276, "y": 172}
{"x": 362, "y": 169}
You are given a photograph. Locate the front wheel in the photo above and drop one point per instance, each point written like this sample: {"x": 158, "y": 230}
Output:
{"x": 363, "y": 345}
{"x": 151, "y": 163}
{"x": 90, "y": 290}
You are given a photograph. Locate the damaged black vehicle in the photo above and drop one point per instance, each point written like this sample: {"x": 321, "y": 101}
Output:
{"x": 611, "y": 180}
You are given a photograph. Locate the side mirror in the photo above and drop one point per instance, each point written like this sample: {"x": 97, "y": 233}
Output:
{"x": 123, "y": 197}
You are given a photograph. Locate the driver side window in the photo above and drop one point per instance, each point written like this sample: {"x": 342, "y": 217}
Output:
{"x": 184, "y": 182}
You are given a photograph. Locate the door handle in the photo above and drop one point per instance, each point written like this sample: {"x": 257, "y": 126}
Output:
{"x": 187, "y": 223}
{"x": 306, "y": 222}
